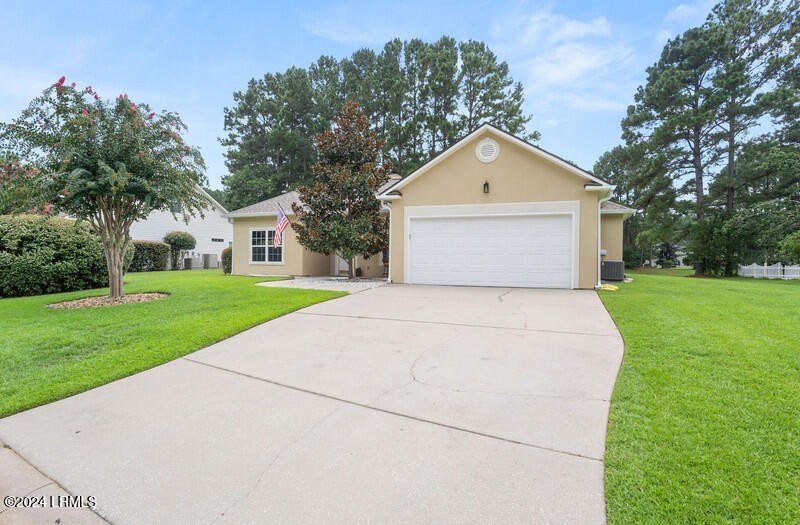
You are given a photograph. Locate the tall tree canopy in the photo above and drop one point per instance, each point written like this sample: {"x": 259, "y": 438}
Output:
{"x": 418, "y": 97}
{"x": 109, "y": 163}
{"x": 713, "y": 133}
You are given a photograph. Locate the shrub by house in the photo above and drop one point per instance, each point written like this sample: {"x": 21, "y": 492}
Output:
{"x": 227, "y": 260}
{"x": 40, "y": 255}
{"x": 149, "y": 256}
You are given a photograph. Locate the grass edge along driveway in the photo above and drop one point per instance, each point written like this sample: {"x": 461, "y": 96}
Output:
{"x": 47, "y": 354}
{"x": 705, "y": 416}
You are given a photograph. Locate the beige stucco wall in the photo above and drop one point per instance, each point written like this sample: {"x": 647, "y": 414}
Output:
{"x": 611, "y": 236}
{"x": 371, "y": 268}
{"x": 296, "y": 259}
{"x": 516, "y": 175}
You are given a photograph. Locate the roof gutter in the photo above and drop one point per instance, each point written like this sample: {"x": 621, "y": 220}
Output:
{"x": 599, "y": 187}
{"x": 253, "y": 214}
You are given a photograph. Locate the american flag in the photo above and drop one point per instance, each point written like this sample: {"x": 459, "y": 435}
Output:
{"x": 281, "y": 225}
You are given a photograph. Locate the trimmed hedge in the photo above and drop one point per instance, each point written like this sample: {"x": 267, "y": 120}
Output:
{"x": 40, "y": 255}
{"x": 227, "y": 260}
{"x": 149, "y": 256}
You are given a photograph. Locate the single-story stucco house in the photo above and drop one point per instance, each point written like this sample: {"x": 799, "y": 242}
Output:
{"x": 492, "y": 210}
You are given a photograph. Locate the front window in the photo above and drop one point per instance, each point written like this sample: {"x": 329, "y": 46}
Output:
{"x": 263, "y": 248}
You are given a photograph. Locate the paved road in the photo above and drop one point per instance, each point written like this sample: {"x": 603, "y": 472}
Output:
{"x": 397, "y": 404}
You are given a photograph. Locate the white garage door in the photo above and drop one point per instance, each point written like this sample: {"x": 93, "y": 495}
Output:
{"x": 525, "y": 250}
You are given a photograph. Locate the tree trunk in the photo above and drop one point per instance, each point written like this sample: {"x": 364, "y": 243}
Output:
{"x": 351, "y": 268}
{"x": 729, "y": 190}
{"x": 697, "y": 161}
{"x": 115, "y": 262}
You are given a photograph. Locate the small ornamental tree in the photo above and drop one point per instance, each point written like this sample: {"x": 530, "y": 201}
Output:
{"x": 179, "y": 243}
{"x": 338, "y": 212}
{"x": 109, "y": 163}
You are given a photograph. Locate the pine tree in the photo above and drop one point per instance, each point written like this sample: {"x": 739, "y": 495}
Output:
{"x": 416, "y": 102}
{"x": 442, "y": 86}
{"x": 392, "y": 88}
{"x": 754, "y": 37}
{"x": 675, "y": 112}
{"x": 488, "y": 93}
{"x": 419, "y": 98}
{"x": 270, "y": 137}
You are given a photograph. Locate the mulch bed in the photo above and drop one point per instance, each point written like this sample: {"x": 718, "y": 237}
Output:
{"x": 104, "y": 300}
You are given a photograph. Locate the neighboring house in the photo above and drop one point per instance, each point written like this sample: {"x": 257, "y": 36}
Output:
{"x": 213, "y": 232}
{"x": 492, "y": 210}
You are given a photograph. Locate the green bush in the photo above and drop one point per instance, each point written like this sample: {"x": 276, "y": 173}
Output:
{"x": 40, "y": 255}
{"x": 227, "y": 260}
{"x": 632, "y": 257}
{"x": 790, "y": 247}
{"x": 179, "y": 242}
{"x": 149, "y": 256}
{"x": 713, "y": 247}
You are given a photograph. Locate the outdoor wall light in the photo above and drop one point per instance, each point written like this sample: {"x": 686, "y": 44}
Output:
{"x": 486, "y": 187}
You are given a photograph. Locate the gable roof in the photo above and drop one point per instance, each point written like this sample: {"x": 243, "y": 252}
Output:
{"x": 212, "y": 200}
{"x": 389, "y": 193}
{"x": 270, "y": 207}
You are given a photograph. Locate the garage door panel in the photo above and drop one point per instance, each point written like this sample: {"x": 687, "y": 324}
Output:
{"x": 528, "y": 251}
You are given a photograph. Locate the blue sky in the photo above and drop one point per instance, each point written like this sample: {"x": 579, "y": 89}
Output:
{"x": 580, "y": 62}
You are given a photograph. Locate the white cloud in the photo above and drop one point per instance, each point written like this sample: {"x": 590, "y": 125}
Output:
{"x": 545, "y": 26}
{"x": 663, "y": 36}
{"x": 572, "y": 62}
{"x": 346, "y": 23}
{"x": 342, "y": 30}
{"x": 694, "y": 12}
{"x": 565, "y": 63}
{"x": 594, "y": 102}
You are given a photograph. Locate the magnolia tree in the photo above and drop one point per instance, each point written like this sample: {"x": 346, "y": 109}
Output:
{"x": 109, "y": 163}
{"x": 338, "y": 212}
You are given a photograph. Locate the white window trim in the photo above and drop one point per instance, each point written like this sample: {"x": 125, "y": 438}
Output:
{"x": 266, "y": 248}
{"x": 516, "y": 209}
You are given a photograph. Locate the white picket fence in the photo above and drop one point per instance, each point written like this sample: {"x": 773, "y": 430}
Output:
{"x": 771, "y": 271}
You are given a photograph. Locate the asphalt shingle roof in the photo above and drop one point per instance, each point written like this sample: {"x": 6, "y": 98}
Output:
{"x": 272, "y": 205}
{"x": 615, "y": 206}
{"x": 285, "y": 201}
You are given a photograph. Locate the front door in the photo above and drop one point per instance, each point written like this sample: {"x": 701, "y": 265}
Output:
{"x": 341, "y": 266}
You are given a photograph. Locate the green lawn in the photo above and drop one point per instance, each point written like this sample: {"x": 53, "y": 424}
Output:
{"x": 705, "y": 416}
{"x": 47, "y": 354}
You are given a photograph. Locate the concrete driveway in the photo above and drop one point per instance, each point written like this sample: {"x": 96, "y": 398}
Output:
{"x": 395, "y": 404}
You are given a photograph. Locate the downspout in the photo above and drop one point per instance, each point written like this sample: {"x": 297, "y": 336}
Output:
{"x": 388, "y": 206}
{"x": 599, "y": 234}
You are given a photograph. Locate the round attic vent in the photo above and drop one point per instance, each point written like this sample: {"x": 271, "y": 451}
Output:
{"x": 487, "y": 150}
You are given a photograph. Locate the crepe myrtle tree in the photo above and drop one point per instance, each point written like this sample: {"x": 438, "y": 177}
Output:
{"x": 15, "y": 190}
{"x": 338, "y": 212}
{"x": 107, "y": 162}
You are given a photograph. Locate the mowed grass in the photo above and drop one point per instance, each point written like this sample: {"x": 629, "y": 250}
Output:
{"x": 705, "y": 416}
{"x": 48, "y": 354}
